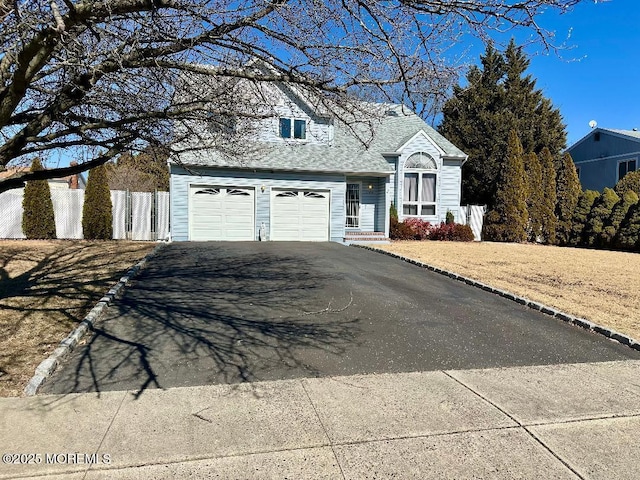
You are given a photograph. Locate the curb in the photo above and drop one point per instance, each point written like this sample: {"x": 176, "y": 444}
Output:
{"x": 553, "y": 312}
{"x": 66, "y": 346}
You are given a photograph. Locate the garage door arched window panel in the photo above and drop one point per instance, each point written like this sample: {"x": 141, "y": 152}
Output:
{"x": 313, "y": 195}
{"x": 208, "y": 191}
{"x": 238, "y": 192}
{"x": 287, "y": 194}
{"x": 419, "y": 186}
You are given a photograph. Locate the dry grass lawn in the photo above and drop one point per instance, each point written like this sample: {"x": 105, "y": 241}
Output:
{"x": 601, "y": 286}
{"x": 46, "y": 288}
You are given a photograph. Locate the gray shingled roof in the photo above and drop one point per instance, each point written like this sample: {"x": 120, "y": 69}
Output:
{"x": 347, "y": 154}
{"x": 628, "y": 133}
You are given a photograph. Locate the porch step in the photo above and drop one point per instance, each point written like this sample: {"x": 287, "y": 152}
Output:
{"x": 365, "y": 237}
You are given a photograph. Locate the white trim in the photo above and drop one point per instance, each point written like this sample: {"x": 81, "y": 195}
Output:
{"x": 591, "y": 160}
{"x": 293, "y": 119}
{"x": 419, "y": 204}
{"x": 426, "y": 136}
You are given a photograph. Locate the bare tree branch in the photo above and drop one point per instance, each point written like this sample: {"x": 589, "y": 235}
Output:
{"x": 89, "y": 79}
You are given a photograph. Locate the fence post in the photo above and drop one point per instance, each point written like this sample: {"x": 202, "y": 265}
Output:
{"x": 128, "y": 215}
{"x": 154, "y": 215}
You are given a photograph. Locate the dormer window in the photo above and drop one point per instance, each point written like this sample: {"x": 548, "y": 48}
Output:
{"x": 298, "y": 132}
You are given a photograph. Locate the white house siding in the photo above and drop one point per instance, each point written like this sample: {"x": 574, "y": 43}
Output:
{"x": 319, "y": 131}
{"x": 181, "y": 180}
{"x": 421, "y": 144}
{"x": 451, "y": 174}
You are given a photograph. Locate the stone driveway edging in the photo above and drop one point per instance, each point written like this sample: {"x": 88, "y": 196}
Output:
{"x": 66, "y": 346}
{"x": 580, "y": 322}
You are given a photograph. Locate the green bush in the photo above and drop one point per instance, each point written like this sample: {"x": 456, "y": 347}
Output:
{"x": 628, "y": 237}
{"x": 97, "y": 216}
{"x": 618, "y": 214}
{"x": 393, "y": 212}
{"x": 579, "y": 218}
{"x": 631, "y": 181}
{"x": 600, "y": 212}
{"x": 450, "y": 219}
{"x": 38, "y": 221}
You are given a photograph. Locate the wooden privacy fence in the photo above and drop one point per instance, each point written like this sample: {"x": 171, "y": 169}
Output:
{"x": 136, "y": 215}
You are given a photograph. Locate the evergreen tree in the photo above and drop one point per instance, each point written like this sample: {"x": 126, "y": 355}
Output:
{"x": 600, "y": 212}
{"x": 472, "y": 121}
{"x": 97, "y": 216}
{"x": 628, "y": 237}
{"x": 507, "y": 221}
{"x": 499, "y": 97}
{"x": 534, "y": 196}
{"x": 631, "y": 181}
{"x": 567, "y": 194}
{"x": 618, "y": 214}
{"x": 579, "y": 218}
{"x": 38, "y": 221}
{"x": 548, "y": 200}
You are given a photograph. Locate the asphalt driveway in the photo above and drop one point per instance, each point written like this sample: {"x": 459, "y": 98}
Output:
{"x": 207, "y": 313}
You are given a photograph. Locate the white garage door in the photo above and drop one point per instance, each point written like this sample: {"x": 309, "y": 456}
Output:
{"x": 300, "y": 215}
{"x": 222, "y": 213}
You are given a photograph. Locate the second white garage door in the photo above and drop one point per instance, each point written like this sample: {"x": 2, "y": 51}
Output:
{"x": 222, "y": 213}
{"x": 301, "y": 215}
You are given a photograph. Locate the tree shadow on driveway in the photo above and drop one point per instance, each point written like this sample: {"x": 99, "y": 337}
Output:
{"x": 197, "y": 317}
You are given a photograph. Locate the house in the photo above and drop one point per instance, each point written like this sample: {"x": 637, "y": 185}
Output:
{"x": 73, "y": 182}
{"x": 604, "y": 156}
{"x": 310, "y": 177}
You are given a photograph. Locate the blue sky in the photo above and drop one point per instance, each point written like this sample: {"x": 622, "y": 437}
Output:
{"x": 597, "y": 79}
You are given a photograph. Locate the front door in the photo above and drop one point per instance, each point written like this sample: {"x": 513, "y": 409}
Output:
{"x": 353, "y": 205}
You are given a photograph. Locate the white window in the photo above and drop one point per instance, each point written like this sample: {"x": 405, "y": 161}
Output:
{"x": 419, "y": 187}
{"x": 299, "y": 130}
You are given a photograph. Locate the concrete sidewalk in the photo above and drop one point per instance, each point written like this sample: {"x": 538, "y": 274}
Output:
{"x": 558, "y": 421}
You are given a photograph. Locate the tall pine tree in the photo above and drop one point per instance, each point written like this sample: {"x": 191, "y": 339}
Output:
{"x": 548, "y": 218}
{"x": 499, "y": 97}
{"x": 38, "y": 221}
{"x": 97, "y": 216}
{"x": 507, "y": 221}
{"x": 567, "y": 194}
{"x": 535, "y": 198}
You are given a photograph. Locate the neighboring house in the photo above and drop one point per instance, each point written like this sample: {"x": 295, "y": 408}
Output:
{"x": 310, "y": 178}
{"x": 72, "y": 182}
{"x": 604, "y": 156}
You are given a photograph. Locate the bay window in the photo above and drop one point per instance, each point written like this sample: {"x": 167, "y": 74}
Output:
{"x": 419, "y": 187}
